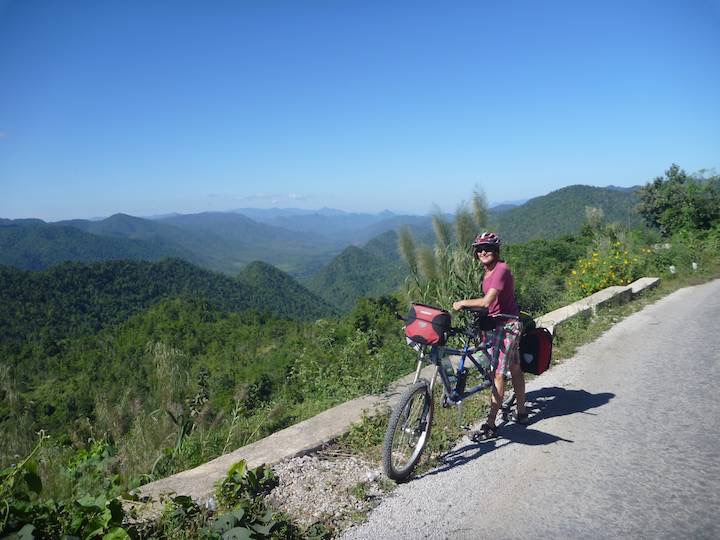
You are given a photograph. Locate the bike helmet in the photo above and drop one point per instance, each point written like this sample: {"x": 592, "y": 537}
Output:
{"x": 487, "y": 239}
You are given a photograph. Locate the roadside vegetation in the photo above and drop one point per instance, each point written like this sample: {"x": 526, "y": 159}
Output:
{"x": 140, "y": 389}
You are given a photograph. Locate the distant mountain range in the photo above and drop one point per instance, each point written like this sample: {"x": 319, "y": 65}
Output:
{"x": 35, "y": 245}
{"x": 337, "y": 255}
{"x": 335, "y": 226}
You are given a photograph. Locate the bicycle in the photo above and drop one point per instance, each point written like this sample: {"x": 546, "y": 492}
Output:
{"x": 411, "y": 420}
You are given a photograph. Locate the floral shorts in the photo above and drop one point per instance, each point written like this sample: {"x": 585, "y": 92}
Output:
{"x": 504, "y": 343}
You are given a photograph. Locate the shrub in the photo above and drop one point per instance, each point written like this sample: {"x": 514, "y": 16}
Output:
{"x": 613, "y": 265}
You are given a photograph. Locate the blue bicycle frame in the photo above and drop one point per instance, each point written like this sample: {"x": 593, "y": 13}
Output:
{"x": 456, "y": 393}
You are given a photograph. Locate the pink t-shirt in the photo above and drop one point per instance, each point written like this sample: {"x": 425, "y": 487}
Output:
{"x": 502, "y": 280}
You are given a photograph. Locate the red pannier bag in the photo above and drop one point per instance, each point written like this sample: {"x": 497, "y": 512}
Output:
{"x": 427, "y": 325}
{"x": 536, "y": 350}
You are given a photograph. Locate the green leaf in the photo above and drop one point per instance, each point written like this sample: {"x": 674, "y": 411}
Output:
{"x": 238, "y": 533}
{"x": 95, "y": 527}
{"x": 239, "y": 513}
{"x": 26, "y": 533}
{"x": 263, "y": 529}
{"x": 105, "y": 518}
{"x": 224, "y": 523}
{"x": 77, "y": 522}
{"x": 184, "y": 501}
{"x": 116, "y": 533}
{"x": 239, "y": 468}
{"x": 267, "y": 517}
{"x": 88, "y": 501}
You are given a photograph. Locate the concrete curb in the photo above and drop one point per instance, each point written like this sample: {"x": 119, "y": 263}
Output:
{"x": 313, "y": 433}
{"x": 588, "y": 305}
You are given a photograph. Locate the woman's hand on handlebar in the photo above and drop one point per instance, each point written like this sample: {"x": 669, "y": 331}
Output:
{"x": 463, "y": 305}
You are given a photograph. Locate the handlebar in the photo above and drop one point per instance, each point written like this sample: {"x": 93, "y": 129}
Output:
{"x": 484, "y": 312}
{"x": 455, "y": 331}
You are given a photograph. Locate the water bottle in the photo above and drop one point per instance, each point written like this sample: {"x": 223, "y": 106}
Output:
{"x": 448, "y": 369}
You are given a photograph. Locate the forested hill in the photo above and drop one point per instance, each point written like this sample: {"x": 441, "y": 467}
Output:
{"x": 563, "y": 212}
{"x": 79, "y": 299}
{"x": 34, "y": 245}
{"x": 278, "y": 291}
{"x": 355, "y": 273}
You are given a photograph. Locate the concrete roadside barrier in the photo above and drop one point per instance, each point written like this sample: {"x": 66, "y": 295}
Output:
{"x": 588, "y": 306}
{"x": 643, "y": 284}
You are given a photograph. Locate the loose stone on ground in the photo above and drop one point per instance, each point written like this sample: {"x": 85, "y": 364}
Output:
{"x": 328, "y": 486}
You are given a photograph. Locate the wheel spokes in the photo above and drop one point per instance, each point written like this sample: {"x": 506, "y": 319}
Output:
{"x": 409, "y": 431}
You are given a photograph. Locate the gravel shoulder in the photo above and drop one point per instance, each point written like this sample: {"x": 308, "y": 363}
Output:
{"x": 329, "y": 486}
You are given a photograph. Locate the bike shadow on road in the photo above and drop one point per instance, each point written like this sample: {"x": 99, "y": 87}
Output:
{"x": 541, "y": 404}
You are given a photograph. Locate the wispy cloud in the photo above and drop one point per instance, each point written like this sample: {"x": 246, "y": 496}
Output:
{"x": 274, "y": 198}
{"x": 3, "y": 135}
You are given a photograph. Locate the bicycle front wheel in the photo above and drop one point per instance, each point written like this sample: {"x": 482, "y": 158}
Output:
{"x": 408, "y": 431}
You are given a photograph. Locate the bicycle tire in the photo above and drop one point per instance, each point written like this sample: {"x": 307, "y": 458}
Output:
{"x": 408, "y": 431}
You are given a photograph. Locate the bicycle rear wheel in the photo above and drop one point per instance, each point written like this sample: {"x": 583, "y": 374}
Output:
{"x": 408, "y": 431}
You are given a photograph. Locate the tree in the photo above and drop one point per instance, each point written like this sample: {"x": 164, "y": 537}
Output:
{"x": 680, "y": 201}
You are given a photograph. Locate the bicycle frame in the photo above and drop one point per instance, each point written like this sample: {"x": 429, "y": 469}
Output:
{"x": 456, "y": 393}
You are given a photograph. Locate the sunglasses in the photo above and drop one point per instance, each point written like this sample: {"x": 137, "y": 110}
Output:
{"x": 487, "y": 248}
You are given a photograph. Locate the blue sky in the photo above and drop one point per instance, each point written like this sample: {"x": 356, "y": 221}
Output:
{"x": 149, "y": 107}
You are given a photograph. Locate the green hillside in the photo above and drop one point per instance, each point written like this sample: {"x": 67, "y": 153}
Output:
{"x": 109, "y": 354}
{"x": 384, "y": 246}
{"x": 44, "y": 308}
{"x": 356, "y": 273}
{"x": 35, "y": 245}
{"x": 563, "y": 212}
{"x": 279, "y": 293}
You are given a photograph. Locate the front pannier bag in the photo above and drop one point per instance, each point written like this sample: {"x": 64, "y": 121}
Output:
{"x": 427, "y": 325}
{"x": 536, "y": 350}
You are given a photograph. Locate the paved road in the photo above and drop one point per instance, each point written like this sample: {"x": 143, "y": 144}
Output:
{"x": 624, "y": 442}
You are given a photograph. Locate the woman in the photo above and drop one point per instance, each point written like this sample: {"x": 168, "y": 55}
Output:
{"x": 498, "y": 287}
